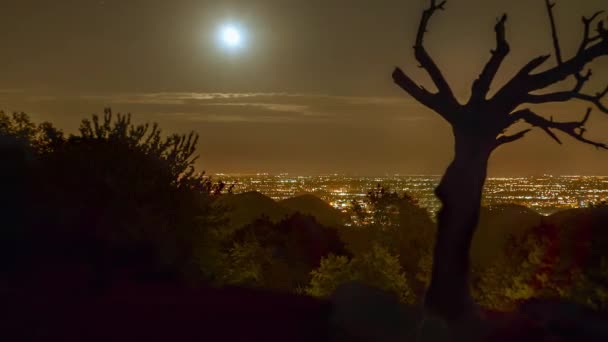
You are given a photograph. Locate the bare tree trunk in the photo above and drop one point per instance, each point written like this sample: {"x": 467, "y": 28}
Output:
{"x": 479, "y": 127}
{"x": 460, "y": 193}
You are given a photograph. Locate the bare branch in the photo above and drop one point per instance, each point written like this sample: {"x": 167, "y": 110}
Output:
{"x": 575, "y": 93}
{"x": 481, "y": 86}
{"x": 512, "y": 89}
{"x": 596, "y": 100}
{"x": 505, "y": 139}
{"x": 587, "y": 28}
{"x": 426, "y": 16}
{"x": 532, "y": 65}
{"x": 425, "y": 59}
{"x": 408, "y": 85}
{"x": 558, "y": 50}
{"x": 581, "y": 79}
{"x": 524, "y": 82}
{"x": 575, "y": 129}
{"x": 419, "y": 93}
{"x": 570, "y": 67}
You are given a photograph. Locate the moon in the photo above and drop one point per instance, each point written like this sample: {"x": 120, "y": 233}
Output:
{"x": 231, "y": 37}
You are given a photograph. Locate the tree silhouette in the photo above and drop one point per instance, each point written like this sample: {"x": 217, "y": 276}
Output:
{"x": 118, "y": 199}
{"x": 20, "y": 141}
{"x": 479, "y": 127}
{"x": 395, "y": 222}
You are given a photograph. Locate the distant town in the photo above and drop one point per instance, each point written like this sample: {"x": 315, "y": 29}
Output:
{"x": 545, "y": 194}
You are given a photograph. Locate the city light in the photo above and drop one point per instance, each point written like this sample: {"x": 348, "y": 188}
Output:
{"x": 545, "y": 194}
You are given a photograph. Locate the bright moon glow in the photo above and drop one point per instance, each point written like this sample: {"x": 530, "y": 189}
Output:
{"x": 231, "y": 37}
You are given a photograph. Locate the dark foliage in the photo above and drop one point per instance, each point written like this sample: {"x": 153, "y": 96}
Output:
{"x": 115, "y": 198}
{"x": 296, "y": 244}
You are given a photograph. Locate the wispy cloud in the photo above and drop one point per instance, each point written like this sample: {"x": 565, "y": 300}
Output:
{"x": 245, "y": 117}
{"x": 269, "y": 107}
{"x": 189, "y": 97}
{"x": 275, "y": 107}
{"x": 177, "y": 98}
{"x": 227, "y": 118}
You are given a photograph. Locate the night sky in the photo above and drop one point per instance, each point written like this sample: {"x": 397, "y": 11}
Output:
{"x": 309, "y": 92}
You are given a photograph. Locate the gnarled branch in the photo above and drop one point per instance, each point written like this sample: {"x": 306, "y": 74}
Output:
{"x": 406, "y": 83}
{"x": 425, "y": 60}
{"x": 481, "y": 86}
{"x": 442, "y": 102}
{"x": 558, "y": 50}
{"x": 422, "y": 95}
{"x": 584, "y": 55}
{"x": 505, "y": 139}
{"x": 575, "y": 129}
{"x": 568, "y": 68}
{"x": 587, "y": 39}
{"x": 581, "y": 79}
{"x": 590, "y": 48}
{"x": 527, "y": 69}
{"x": 575, "y": 93}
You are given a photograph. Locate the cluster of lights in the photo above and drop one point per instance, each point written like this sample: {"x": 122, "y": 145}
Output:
{"x": 543, "y": 194}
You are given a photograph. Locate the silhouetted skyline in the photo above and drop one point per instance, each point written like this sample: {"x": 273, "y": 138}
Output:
{"x": 310, "y": 92}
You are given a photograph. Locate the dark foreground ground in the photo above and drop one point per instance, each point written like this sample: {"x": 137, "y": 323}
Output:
{"x": 134, "y": 312}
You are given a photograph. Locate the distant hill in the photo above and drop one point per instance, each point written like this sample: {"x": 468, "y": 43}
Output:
{"x": 314, "y": 206}
{"x": 589, "y": 217}
{"x": 246, "y": 207}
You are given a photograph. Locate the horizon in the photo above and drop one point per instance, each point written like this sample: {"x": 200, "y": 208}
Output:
{"x": 276, "y": 174}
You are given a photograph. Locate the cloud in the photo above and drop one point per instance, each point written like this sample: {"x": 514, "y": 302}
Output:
{"x": 247, "y": 112}
{"x": 227, "y": 118}
{"x": 177, "y": 98}
{"x": 189, "y": 97}
{"x": 275, "y": 107}
{"x": 269, "y": 107}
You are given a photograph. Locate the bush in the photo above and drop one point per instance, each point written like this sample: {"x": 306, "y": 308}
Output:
{"x": 377, "y": 268}
{"x": 114, "y": 197}
{"x": 278, "y": 255}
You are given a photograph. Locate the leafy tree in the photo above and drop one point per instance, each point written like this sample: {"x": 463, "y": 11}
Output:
{"x": 399, "y": 224}
{"x": 279, "y": 255}
{"x": 246, "y": 264}
{"x": 590, "y": 287}
{"x": 502, "y": 285}
{"x": 385, "y": 207}
{"x": 590, "y": 240}
{"x": 40, "y": 138}
{"x": 333, "y": 271}
{"x": 377, "y": 268}
{"x": 425, "y": 264}
{"x": 536, "y": 266}
{"x": 117, "y": 196}
{"x": 20, "y": 141}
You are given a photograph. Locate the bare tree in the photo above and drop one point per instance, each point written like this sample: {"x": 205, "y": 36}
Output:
{"x": 479, "y": 127}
